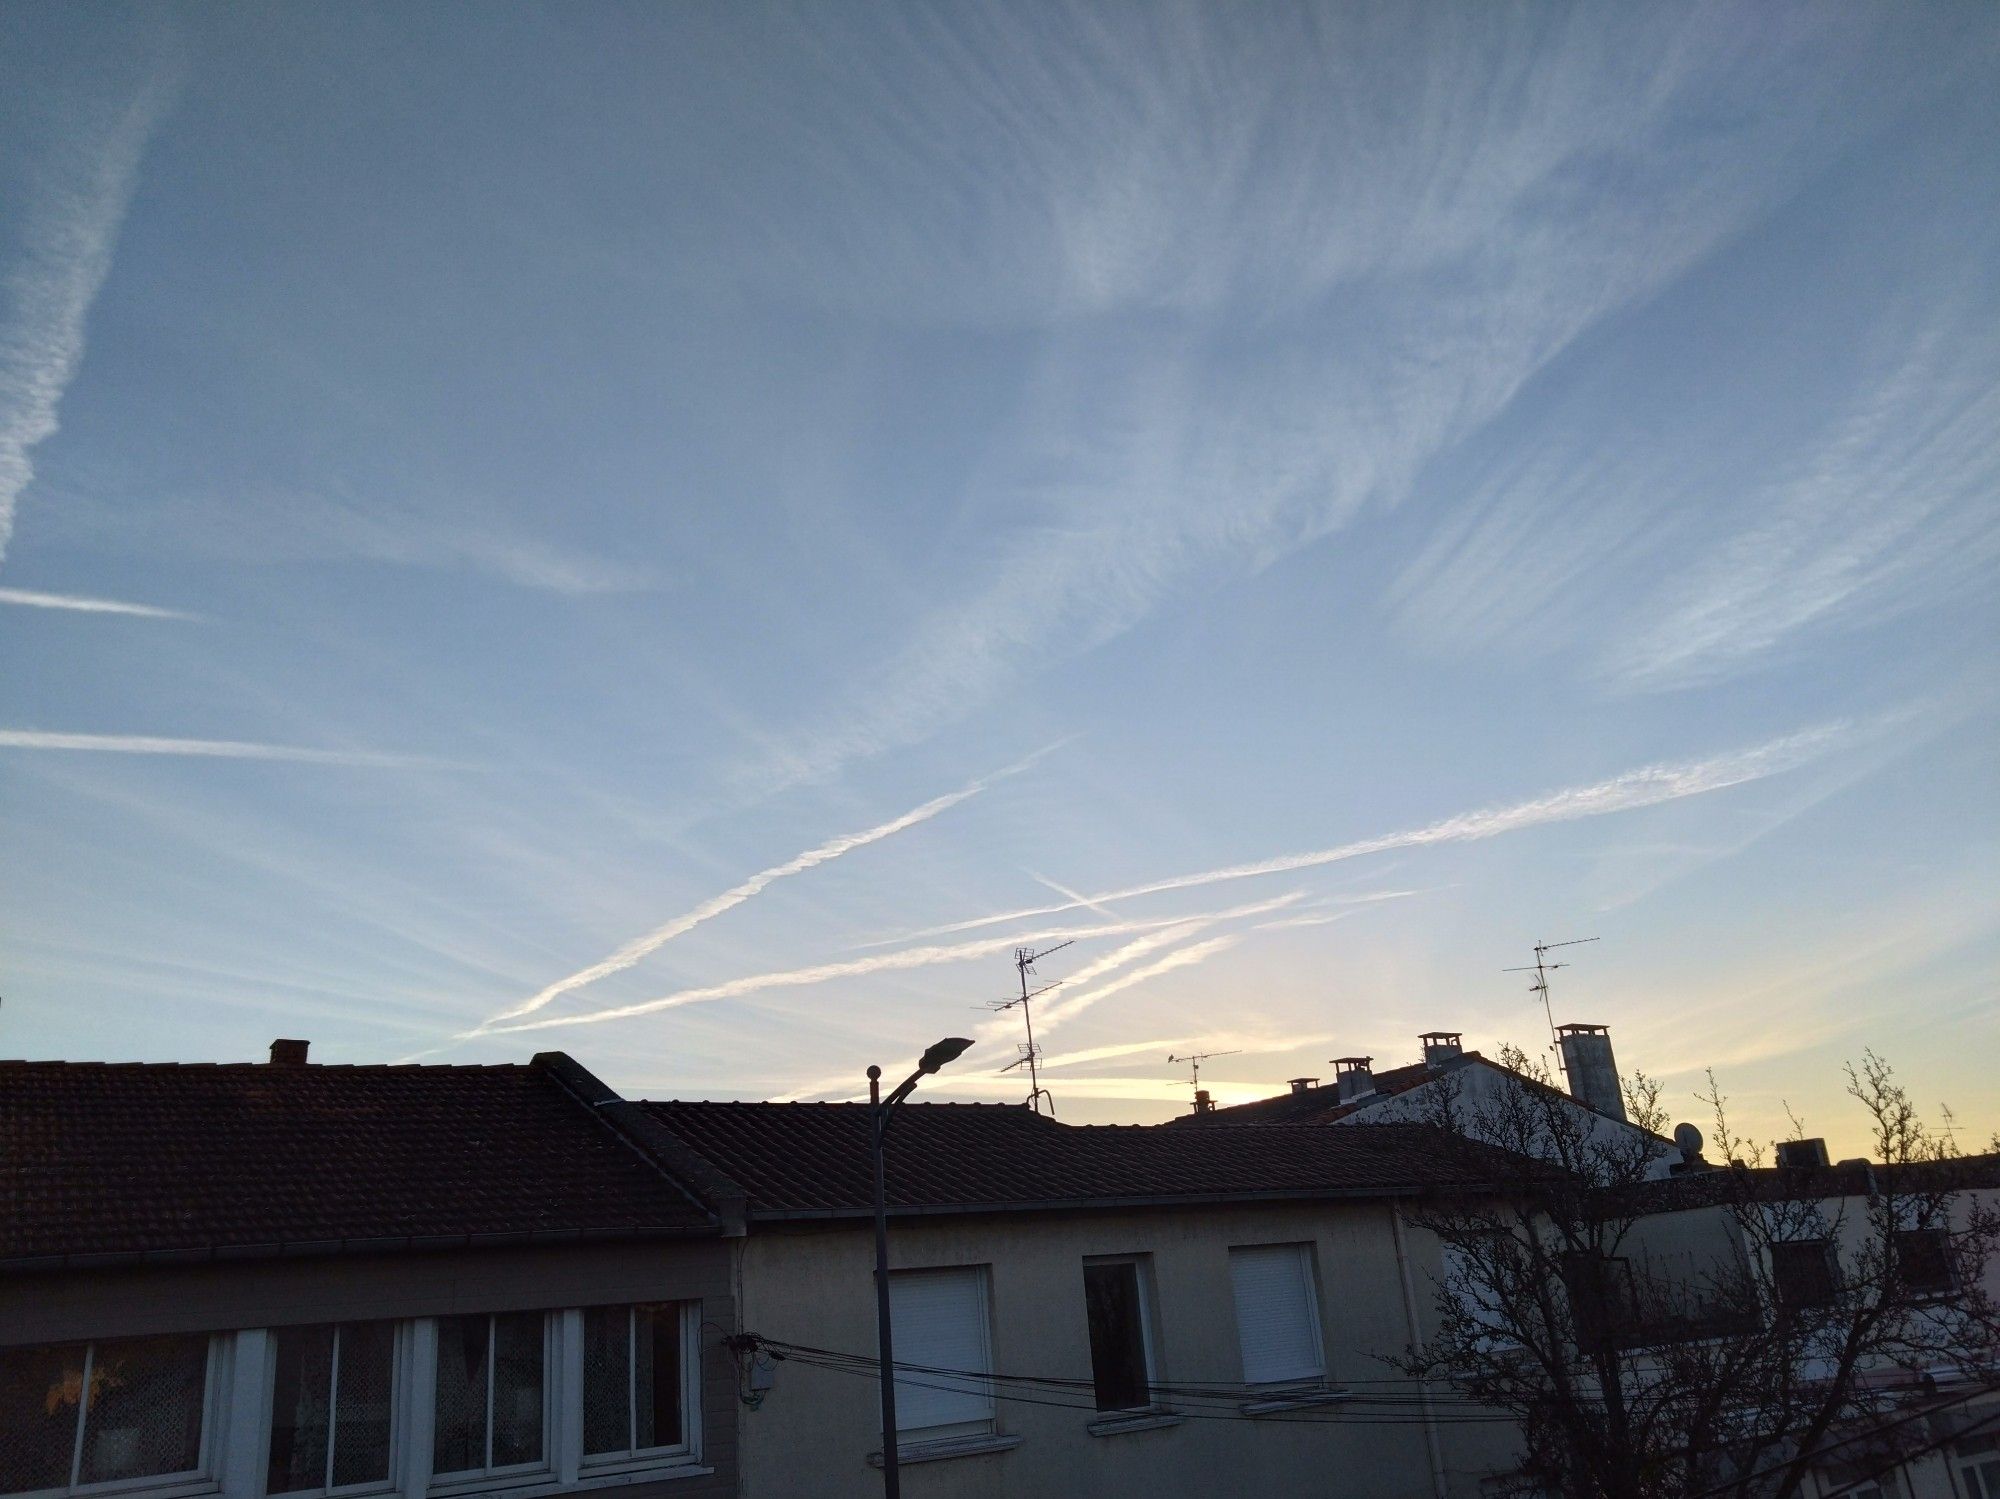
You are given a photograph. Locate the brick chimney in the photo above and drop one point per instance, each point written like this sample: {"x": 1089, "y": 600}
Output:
{"x": 286, "y": 1053}
{"x": 1355, "y": 1076}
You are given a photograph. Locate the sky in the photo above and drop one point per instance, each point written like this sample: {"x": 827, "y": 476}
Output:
{"x": 688, "y": 534}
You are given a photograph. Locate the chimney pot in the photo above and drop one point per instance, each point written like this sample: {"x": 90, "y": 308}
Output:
{"x": 1304, "y": 1084}
{"x": 1203, "y": 1104}
{"x": 288, "y": 1053}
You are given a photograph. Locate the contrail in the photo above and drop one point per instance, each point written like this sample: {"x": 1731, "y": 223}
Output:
{"x": 910, "y": 957}
{"x": 222, "y": 749}
{"x": 641, "y": 947}
{"x": 29, "y": 599}
{"x": 1645, "y": 787}
{"x": 1180, "y": 957}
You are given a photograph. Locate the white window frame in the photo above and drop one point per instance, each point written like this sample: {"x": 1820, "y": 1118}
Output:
{"x": 688, "y": 1449}
{"x": 399, "y": 1399}
{"x": 987, "y": 1425}
{"x": 203, "y": 1478}
{"x": 1309, "y": 1272}
{"x": 1142, "y": 1275}
{"x": 509, "y": 1475}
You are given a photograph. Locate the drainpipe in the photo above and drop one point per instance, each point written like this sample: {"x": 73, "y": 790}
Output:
{"x": 1416, "y": 1338}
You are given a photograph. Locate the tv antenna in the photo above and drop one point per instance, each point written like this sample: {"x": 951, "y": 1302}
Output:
{"x": 1194, "y": 1059}
{"x": 1541, "y": 968}
{"x": 1025, "y": 960}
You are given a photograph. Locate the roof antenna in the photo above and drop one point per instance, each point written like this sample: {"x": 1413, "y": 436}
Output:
{"x": 1194, "y": 1061}
{"x": 1541, "y": 968}
{"x": 1025, "y": 960}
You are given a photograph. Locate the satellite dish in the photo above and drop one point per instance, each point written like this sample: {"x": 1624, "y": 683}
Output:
{"x": 1689, "y": 1139}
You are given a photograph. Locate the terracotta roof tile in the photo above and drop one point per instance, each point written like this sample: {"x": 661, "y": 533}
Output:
{"x": 144, "y": 1158}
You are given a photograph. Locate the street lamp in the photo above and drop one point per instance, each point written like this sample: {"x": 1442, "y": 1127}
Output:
{"x": 948, "y": 1050}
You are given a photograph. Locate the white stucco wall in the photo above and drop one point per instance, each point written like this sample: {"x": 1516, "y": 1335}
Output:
{"x": 816, "y": 1428}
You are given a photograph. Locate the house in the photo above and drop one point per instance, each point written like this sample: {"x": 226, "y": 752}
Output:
{"x": 1087, "y": 1310}
{"x": 281, "y": 1278}
{"x": 1361, "y": 1095}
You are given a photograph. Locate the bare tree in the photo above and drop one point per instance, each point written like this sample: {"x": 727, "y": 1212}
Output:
{"x": 1719, "y": 1332}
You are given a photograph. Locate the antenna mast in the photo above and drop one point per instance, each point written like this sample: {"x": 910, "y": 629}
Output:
{"x": 1194, "y": 1061}
{"x": 1031, "y": 1054}
{"x": 1541, "y": 968}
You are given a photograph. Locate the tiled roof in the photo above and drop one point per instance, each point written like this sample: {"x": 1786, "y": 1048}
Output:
{"x": 1320, "y": 1105}
{"x": 812, "y": 1158}
{"x": 151, "y": 1159}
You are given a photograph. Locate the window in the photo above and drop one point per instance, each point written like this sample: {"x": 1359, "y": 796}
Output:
{"x": 491, "y": 1410}
{"x": 1923, "y": 1259}
{"x": 1115, "y": 1300}
{"x": 1979, "y": 1466}
{"x": 99, "y": 1413}
{"x": 634, "y": 1375}
{"x": 1803, "y": 1274}
{"x": 1603, "y": 1301}
{"x": 332, "y": 1396}
{"x": 1277, "y": 1314}
{"x": 943, "y": 1352}
{"x": 1468, "y": 1277}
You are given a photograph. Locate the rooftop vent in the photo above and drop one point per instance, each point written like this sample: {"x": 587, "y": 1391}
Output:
{"x": 1802, "y": 1155}
{"x": 289, "y": 1053}
{"x": 1304, "y": 1084}
{"x": 1355, "y": 1077}
{"x": 1441, "y": 1046}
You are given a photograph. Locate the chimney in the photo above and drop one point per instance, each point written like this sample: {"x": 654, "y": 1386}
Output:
{"x": 1354, "y": 1077}
{"x": 1203, "y": 1104}
{"x": 1303, "y": 1085}
{"x": 289, "y": 1053}
{"x": 1593, "y": 1074}
{"x": 1802, "y": 1155}
{"x": 1441, "y": 1047}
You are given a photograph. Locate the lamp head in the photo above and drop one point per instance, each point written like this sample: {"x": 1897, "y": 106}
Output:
{"x": 950, "y": 1049}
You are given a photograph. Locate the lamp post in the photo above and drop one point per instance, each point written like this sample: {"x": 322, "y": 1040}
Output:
{"x": 879, "y": 1108}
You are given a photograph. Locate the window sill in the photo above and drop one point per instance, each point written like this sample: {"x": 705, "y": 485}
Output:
{"x": 1279, "y": 1401}
{"x": 1149, "y": 1418}
{"x": 540, "y": 1484}
{"x": 948, "y": 1447}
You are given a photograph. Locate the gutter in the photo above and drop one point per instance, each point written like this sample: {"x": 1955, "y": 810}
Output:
{"x": 1095, "y": 1203}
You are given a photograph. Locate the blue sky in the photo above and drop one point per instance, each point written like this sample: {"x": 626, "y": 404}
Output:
{"x": 684, "y": 533}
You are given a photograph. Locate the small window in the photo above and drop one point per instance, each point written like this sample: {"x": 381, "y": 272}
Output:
{"x": 944, "y": 1358}
{"x": 1979, "y": 1466}
{"x": 1277, "y": 1314}
{"x": 1802, "y": 1274}
{"x": 1603, "y": 1299}
{"x": 1468, "y": 1281}
{"x": 491, "y": 1403}
{"x": 1923, "y": 1259}
{"x": 1116, "y": 1303}
{"x": 106, "y": 1412}
{"x": 634, "y": 1378}
{"x": 332, "y": 1398}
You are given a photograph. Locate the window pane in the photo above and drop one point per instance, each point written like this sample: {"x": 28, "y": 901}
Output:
{"x": 1924, "y": 1260}
{"x": 656, "y": 1338}
{"x": 40, "y": 1389}
{"x": 365, "y": 1399}
{"x": 1117, "y": 1338}
{"x": 1802, "y": 1273}
{"x": 607, "y": 1390}
{"x": 517, "y": 1388}
{"x": 459, "y": 1442}
{"x": 300, "y": 1393}
{"x": 145, "y": 1406}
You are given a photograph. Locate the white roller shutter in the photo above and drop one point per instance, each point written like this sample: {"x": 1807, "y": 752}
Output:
{"x": 1276, "y": 1319}
{"x": 939, "y": 1319}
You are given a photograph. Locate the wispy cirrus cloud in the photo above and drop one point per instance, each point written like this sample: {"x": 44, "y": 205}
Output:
{"x": 29, "y": 599}
{"x": 68, "y": 222}
{"x": 639, "y": 948}
{"x": 1647, "y": 786}
{"x": 217, "y": 749}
